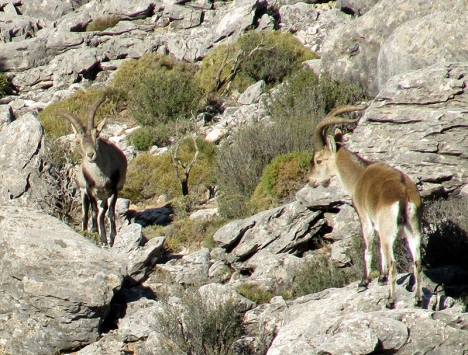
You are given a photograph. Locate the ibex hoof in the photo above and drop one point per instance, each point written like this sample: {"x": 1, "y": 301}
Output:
{"x": 362, "y": 286}
{"x": 390, "y": 303}
{"x": 418, "y": 302}
{"x": 383, "y": 280}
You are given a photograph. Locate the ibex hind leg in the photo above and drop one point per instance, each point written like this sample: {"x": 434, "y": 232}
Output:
{"x": 388, "y": 229}
{"x": 413, "y": 237}
{"x": 368, "y": 236}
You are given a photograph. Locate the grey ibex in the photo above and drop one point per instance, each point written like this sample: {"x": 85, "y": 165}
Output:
{"x": 102, "y": 173}
{"x": 386, "y": 200}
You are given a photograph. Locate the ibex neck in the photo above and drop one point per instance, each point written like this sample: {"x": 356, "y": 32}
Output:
{"x": 349, "y": 167}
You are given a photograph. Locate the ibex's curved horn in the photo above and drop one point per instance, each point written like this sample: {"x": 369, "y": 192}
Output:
{"x": 318, "y": 138}
{"x": 92, "y": 112}
{"x": 73, "y": 120}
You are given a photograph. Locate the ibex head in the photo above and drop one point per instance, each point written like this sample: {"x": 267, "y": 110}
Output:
{"x": 326, "y": 148}
{"x": 89, "y": 136}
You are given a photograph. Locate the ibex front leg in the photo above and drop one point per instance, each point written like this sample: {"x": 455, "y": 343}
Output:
{"x": 111, "y": 217}
{"x": 101, "y": 220}
{"x": 85, "y": 210}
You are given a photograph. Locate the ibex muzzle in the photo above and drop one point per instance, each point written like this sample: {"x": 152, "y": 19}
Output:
{"x": 102, "y": 174}
{"x": 387, "y": 201}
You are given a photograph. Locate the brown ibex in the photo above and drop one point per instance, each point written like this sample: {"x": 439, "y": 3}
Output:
{"x": 102, "y": 173}
{"x": 386, "y": 200}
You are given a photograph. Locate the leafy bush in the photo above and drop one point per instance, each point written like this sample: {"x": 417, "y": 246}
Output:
{"x": 255, "y": 292}
{"x": 195, "y": 326}
{"x": 151, "y": 176}
{"x": 129, "y": 74}
{"x": 192, "y": 234}
{"x": 165, "y": 96}
{"x": 56, "y": 126}
{"x": 3, "y": 84}
{"x": 305, "y": 97}
{"x": 319, "y": 274}
{"x": 62, "y": 197}
{"x": 102, "y": 23}
{"x": 285, "y": 173}
{"x": 268, "y": 56}
{"x": 272, "y": 56}
{"x": 161, "y": 92}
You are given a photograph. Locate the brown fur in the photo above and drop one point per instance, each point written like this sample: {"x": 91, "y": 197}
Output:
{"x": 387, "y": 202}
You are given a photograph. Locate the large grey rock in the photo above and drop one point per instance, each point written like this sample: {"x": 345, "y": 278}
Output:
{"x": 343, "y": 321}
{"x": 192, "y": 269}
{"x": 21, "y": 153}
{"x": 297, "y": 16}
{"x": 238, "y": 17}
{"x": 51, "y": 10}
{"x": 425, "y": 110}
{"x": 285, "y": 229}
{"x": 424, "y": 42}
{"x": 138, "y": 255}
{"x": 56, "y": 286}
{"x": 350, "y": 52}
{"x": 14, "y": 27}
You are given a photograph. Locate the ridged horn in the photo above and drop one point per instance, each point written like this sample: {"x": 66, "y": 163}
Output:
{"x": 73, "y": 120}
{"x": 92, "y": 112}
{"x": 318, "y": 138}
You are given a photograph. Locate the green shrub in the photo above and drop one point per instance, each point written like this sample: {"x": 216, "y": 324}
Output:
{"x": 280, "y": 180}
{"x": 103, "y": 23}
{"x": 128, "y": 75}
{"x": 196, "y": 326}
{"x": 320, "y": 273}
{"x": 192, "y": 234}
{"x": 306, "y": 98}
{"x": 255, "y": 292}
{"x": 159, "y": 90}
{"x": 272, "y": 56}
{"x": 268, "y": 56}
{"x": 151, "y": 176}
{"x": 56, "y": 126}
{"x": 242, "y": 158}
{"x": 3, "y": 84}
{"x": 164, "y": 96}
{"x": 286, "y": 173}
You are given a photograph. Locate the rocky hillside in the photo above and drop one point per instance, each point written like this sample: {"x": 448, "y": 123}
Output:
{"x": 60, "y": 293}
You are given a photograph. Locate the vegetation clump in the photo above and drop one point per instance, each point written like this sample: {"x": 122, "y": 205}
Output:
{"x": 3, "y": 84}
{"x": 150, "y": 176}
{"x": 162, "y": 95}
{"x": 269, "y": 56}
{"x": 193, "y": 325}
{"x": 103, "y": 23}
{"x": 281, "y": 179}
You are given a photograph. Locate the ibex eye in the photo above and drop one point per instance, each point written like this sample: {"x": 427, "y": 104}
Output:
{"x": 318, "y": 161}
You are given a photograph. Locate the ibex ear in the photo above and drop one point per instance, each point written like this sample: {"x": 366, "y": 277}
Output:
{"x": 101, "y": 125}
{"x": 331, "y": 144}
{"x": 338, "y": 136}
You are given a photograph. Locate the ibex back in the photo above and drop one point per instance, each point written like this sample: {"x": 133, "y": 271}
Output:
{"x": 386, "y": 200}
{"x": 102, "y": 174}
